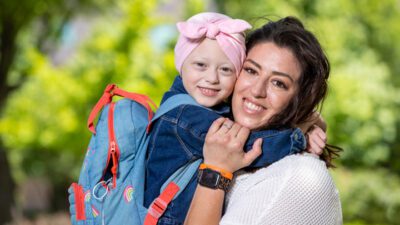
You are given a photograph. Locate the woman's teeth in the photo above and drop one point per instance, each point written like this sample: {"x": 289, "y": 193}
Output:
{"x": 252, "y": 107}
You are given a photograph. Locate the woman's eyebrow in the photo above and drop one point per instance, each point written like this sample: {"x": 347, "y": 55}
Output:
{"x": 283, "y": 74}
{"x": 254, "y": 63}
{"x": 274, "y": 72}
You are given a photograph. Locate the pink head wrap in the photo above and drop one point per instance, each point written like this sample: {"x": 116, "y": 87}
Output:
{"x": 227, "y": 31}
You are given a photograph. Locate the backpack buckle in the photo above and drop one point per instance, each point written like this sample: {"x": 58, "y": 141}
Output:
{"x": 110, "y": 89}
{"x": 157, "y": 208}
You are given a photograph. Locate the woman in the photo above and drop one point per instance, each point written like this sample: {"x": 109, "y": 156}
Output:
{"x": 283, "y": 79}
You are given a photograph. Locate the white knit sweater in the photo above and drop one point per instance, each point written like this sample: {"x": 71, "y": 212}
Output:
{"x": 295, "y": 190}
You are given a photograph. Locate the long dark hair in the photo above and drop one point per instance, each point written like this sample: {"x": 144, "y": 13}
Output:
{"x": 290, "y": 33}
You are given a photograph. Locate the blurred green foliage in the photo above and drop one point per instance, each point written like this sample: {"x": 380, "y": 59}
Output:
{"x": 44, "y": 122}
{"x": 360, "y": 39}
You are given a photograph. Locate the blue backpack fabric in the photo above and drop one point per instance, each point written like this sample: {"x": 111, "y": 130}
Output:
{"x": 111, "y": 182}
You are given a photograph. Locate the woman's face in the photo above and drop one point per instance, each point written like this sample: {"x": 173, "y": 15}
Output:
{"x": 266, "y": 84}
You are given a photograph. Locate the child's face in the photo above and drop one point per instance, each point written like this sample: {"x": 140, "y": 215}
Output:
{"x": 208, "y": 75}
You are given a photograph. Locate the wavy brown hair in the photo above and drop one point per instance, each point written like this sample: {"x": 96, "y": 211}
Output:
{"x": 290, "y": 33}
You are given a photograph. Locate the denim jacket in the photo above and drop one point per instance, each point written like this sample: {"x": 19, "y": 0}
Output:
{"x": 178, "y": 137}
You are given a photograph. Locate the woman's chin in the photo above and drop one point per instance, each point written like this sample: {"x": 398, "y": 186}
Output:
{"x": 249, "y": 123}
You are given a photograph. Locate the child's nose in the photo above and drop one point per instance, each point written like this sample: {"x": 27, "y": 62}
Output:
{"x": 212, "y": 76}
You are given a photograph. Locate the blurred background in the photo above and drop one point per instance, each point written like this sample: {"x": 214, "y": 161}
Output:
{"x": 56, "y": 57}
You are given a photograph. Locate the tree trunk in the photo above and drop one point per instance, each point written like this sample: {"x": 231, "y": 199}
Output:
{"x": 6, "y": 186}
{"x": 7, "y": 52}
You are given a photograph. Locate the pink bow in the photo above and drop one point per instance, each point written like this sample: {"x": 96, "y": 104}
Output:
{"x": 193, "y": 30}
{"x": 226, "y": 31}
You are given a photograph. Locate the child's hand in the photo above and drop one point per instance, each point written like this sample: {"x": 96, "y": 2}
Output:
{"x": 224, "y": 143}
{"x": 316, "y": 140}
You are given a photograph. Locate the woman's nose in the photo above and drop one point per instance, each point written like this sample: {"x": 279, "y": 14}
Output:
{"x": 259, "y": 89}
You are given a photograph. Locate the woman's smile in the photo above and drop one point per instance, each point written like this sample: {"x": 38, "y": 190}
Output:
{"x": 251, "y": 107}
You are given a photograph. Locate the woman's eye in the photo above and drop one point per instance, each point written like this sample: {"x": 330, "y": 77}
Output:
{"x": 279, "y": 84}
{"x": 250, "y": 71}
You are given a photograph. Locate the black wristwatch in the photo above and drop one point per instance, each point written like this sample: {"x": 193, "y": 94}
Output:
{"x": 213, "y": 179}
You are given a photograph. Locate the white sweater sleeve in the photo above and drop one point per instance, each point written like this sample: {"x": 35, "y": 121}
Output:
{"x": 296, "y": 190}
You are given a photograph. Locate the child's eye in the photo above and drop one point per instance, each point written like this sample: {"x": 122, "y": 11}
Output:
{"x": 227, "y": 70}
{"x": 200, "y": 64}
{"x": 279, "y": 84}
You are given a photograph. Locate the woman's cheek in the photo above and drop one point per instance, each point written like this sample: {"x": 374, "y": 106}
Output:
{"x": 243, "y": 83}
{"x": 278, "y": 99}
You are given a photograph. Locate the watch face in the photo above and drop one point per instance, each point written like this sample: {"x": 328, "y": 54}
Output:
{"x": 209, "y": 178}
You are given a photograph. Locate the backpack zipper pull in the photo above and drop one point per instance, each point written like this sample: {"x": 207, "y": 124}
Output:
{"x": 114, "y": 159}
{"x": 115, "y": 162}
{"x": 112, "y": 147}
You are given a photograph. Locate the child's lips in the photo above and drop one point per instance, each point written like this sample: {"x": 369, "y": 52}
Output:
{"x": 209, "y": 92}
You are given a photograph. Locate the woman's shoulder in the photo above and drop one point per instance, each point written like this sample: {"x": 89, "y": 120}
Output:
{"x": 308, "y": 191}
{"x": 305, "y": 170}
{"x": 299, "y": 163}
{"x": 296, "y": 188}
{"x": 298, "y": 170}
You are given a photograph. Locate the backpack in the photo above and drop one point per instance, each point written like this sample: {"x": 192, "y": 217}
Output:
{"x": 111, "y": 182}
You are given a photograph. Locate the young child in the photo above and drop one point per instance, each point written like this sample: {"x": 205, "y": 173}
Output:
{"x": 209, "y": 55}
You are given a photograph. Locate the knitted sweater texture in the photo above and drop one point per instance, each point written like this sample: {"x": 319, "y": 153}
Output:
{"x": 298, "y": 189}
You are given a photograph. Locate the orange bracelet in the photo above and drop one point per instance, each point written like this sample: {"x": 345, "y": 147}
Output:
{"x": 224, "y": 173}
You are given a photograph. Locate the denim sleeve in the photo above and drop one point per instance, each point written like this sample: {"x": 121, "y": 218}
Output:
{"x": 276, "y": 145}
{"x": 193, "y": 124}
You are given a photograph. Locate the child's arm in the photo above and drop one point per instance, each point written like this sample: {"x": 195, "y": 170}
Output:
{"x": 276, "y": 145}
{"x": 194, "y": 122}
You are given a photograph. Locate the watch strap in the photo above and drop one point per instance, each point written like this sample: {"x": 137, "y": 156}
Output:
{"x": 228, "y": 175}
{"x": 224, "y": 183}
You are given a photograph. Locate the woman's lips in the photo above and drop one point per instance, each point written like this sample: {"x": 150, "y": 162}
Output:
{"x": 208, "y": 91}
{"x": 251, "y": 107}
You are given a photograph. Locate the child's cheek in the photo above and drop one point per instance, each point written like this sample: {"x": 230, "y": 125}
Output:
{"x": 231, "y": 85}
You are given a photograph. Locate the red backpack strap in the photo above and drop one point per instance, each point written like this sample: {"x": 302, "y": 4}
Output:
{"x": 106, "y": 98}
{"x": 142, "y": 99}
{"x": 79, "y": 201}
{"x": 160, "y": 204}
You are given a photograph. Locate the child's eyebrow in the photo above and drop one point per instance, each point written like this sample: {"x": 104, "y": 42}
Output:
{"x": 200, "y": 58}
